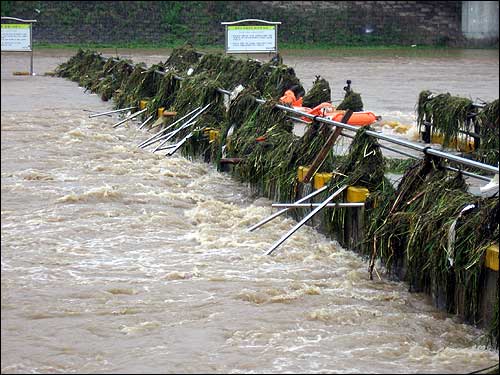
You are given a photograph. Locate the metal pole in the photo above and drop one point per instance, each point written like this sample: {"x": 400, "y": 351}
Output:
{"x": 31, "y": 46}
{"x": 465, "y": 173}
{"x": 304, "y": 220}
{"x": 179, "y": 144}
{"x": 169, "y": 136}
{"x": 166, "y": 147}
{"x": 164, "y": 130}
{"x": 145, "y": 122}
{"x": 115, "y": 111}
{"x": 173, "y": 133}
{"x": 275, "y": 215}
{"x": 397, "y": 141}
{"x": 129, "y": 118}
{"x": 166, "y": 137}
{"x": 313, "y": 205}
{"x": 327, "y": 147}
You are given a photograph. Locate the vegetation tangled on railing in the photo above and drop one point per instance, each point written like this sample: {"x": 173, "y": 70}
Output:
{"x": 352, "y": 100}
{"x": 364, "y": 165}
{"x": 448, "y": 114}
{"x": 113, "y": 74}
{"x": 431, "y": 227}
{"x": 166, "y": 94}
{"x": 454, "y": 117}
{"x": 429, "y": 224}
{"x": 489, "y": 128}
{"x": 141, "y": 84}
{"x": 183, "y": 58}
{"x": 85, "y": 68}
{"x": 320, "y": 92}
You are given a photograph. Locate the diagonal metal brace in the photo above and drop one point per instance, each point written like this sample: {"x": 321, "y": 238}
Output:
{"x": 304, "y": 220}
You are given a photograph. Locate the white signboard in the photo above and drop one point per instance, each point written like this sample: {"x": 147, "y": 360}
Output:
{"x": 16, "y": 37}
{"x": 242, "y": 39}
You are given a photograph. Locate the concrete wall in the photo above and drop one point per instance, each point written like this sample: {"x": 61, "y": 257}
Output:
{"x": 480, "y": 20}
{"x": 303, "y": 22}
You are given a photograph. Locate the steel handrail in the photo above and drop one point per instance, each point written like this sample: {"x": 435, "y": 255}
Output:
{"x": 425, "y": 149}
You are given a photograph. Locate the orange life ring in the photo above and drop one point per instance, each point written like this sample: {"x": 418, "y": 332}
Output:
{"x": 357, "y": 118}
{"x": 327, "y": 110}
{"x": 322, "y": 109}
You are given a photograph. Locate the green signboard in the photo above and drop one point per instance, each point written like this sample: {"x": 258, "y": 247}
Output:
{"x": 16, "y": 37}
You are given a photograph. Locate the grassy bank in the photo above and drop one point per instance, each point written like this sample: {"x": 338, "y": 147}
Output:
{"x": 284, "y": 48}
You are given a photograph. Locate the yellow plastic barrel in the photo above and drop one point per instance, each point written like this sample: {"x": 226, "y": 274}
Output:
{"x": 301, "y": 173}
{"x": 491, "y": 259}
{"x": 160, "y": 111}
{"x": 357, "y": 194}
{"x": 321, "y": 179}
{"x": 464, "y": 145}
{"x": 143, "y": 104}
{"x": 213, "y": 135}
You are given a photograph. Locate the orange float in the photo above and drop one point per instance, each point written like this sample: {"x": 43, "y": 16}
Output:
{"x": 363, "y": 118}
{"x": 289, "y": 98}
{"x": 322, "y": 109}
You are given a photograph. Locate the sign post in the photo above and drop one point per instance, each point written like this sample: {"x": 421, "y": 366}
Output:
{"x": 260, "y": 38}
{"x": 18, "y": 37}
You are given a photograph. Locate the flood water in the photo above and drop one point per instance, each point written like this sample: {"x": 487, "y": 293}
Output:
{"x": 117, "y": 260}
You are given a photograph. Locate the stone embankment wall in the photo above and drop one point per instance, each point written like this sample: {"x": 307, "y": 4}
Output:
{"x": 304, "y": 22}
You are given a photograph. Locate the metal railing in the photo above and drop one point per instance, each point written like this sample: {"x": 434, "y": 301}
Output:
{"x": 378, "y": 135}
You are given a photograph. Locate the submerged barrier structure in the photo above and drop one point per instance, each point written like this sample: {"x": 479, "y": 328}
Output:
{"x": 428, "y": 231}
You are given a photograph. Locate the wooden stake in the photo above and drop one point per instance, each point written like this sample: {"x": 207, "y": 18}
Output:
{"x": 323, "y": 153}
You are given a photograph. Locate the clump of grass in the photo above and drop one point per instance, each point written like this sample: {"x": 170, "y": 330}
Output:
{"x": 488, "y": 119}
{"x": 111, "y": 78}
{"x": 364, "y": 165}
{"x": 230, "y": 71}
{"x": 352, "y": 100}
{"x": 412, "y": 229}
{"x": 183, "y": 58}
{"x": 320, "y": 92}
{"x": 452, "y": 115}
{"x": 273, "y": 80}
{"x": 168, "y": 88}
{"x": 394, "y": 165}
{"x": 141, "y": 84}
{"x": 448, "y": 114}
{"x": 84, "y": 68}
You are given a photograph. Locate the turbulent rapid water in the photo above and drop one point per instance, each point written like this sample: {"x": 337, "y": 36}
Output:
{"x": 118, "y": 260}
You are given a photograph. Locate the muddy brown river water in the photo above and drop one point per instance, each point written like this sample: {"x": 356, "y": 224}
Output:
{"x": 117, "y": 260}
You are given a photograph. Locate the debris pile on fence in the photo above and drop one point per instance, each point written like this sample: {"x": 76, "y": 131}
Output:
{"x": 429, "y": 226}
{"x": 454, "y": 117}
{"x": 319, "y": 93}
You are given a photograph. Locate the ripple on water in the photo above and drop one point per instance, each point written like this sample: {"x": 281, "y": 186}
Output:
{"x": 98, "y": 194}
